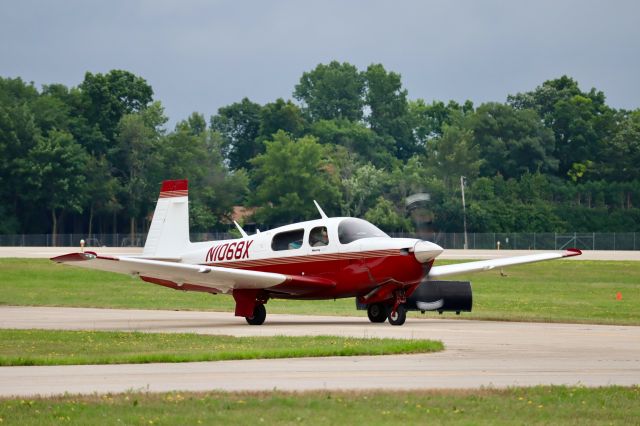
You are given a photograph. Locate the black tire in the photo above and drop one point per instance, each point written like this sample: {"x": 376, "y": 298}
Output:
{"x": 400, "y": 316}
{"x": 259, "y": 315}
{"x": 377, "y": 312}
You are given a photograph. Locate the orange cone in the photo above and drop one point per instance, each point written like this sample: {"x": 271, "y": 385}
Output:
{"x": 618, "y": 296}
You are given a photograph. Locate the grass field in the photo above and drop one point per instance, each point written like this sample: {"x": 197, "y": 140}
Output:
{"x": 47, "y": 347}
{"x": 555, "y": 291}
{"x": 539, "y": 405}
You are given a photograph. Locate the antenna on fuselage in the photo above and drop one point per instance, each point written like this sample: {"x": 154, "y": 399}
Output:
{"x": 324, "y": 216}
{"x": 244, "y": 234}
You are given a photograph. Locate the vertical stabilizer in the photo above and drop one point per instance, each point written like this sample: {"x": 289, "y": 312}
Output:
{"x": 168, "y": 235}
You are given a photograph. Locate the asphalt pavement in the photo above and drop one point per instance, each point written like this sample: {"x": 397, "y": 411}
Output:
{"x": 478, "y": 354}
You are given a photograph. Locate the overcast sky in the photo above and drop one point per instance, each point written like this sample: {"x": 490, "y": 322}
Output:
{"x": 200, "y": 55}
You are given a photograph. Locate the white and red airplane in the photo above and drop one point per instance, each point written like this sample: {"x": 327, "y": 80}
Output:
{"x": 327, "y": 258}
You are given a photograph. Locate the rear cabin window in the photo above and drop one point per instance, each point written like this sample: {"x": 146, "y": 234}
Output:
{"x": 351, "y": 230}
{"x": 289, "y": 240}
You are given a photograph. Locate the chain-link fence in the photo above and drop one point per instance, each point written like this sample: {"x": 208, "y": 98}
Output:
{"x": 96, "y": 240}
{"x": 507, "y": 241}
{"x": 535, "y": 240}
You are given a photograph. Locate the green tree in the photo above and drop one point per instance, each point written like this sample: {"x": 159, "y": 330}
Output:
{"x": 386, "y": 216}
{"x": 281, "y": 115}
{"x": 496, "y": 204}
{"x": 108, "y": 97}
{"x": 332, "y": 91}
{"x": 193, "y": 153}
{"x": 428, "y": 120}
{"x": 512, "y": 141}
{"x": 454, "y": 154}
{"x": 408, "y": 178}
{"x": 357, "y": 138}
{"x": 195, "y": 124}
{"x": 290, "y": 175}
{"x": 58, "y": 108}
{"x": 52, "y": 110}
{"x": 239, "y": 125}
{"x": 19, "y": 133}
{"x": 102, "y": 190}
{"x": 620, "y": 159}
{"x": 54, "y": 171}
{"x": 361, "y": 190}
{"x": 389, "y": 110}
{"x": 139, "y": 137}
{"x": 579, "y": 120}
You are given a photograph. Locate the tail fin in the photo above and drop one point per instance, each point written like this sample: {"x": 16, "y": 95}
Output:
{"x": 169, "y": 232}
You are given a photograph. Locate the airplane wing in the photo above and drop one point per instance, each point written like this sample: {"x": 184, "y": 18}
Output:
{"x": 486, "y": 265}
{"x": 196, "y": 277}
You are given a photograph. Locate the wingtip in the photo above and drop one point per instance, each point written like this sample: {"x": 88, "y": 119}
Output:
{"x": 572, "y": 252}
{"x": 74, "y": 257}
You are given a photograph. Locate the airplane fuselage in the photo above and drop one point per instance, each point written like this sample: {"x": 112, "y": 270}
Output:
{"x": 357, "y": 263}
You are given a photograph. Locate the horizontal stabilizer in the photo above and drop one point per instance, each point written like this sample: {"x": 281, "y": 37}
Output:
{"x": 214, "y": 279}
{"x": 220, "y": 279}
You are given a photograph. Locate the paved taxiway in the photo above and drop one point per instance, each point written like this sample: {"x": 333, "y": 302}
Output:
{"x": 478, "y": 353}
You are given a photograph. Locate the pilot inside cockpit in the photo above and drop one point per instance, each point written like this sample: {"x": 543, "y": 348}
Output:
{"x": 319, "y": 237}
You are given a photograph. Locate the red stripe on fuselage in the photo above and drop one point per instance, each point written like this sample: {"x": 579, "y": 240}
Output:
{"x": 289, "y": 260}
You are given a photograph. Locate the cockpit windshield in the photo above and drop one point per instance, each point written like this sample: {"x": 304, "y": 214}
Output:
{"x": 355, "y": 229}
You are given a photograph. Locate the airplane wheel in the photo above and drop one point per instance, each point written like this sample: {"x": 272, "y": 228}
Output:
{"x": 377, "y": 312}
{"x": 400, "y": 316}
{"x": 259, "y": 315}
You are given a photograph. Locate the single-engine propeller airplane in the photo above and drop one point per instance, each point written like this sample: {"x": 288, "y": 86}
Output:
{"x": 327, "y": 258}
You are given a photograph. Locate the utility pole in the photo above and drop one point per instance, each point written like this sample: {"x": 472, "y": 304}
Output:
{"x": 464, "y": 213}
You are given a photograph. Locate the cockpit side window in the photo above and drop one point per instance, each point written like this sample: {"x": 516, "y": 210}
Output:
{"x": 289, "y": 240}
{"x": 351, "y": 230}
{"x": 318, "y": 237}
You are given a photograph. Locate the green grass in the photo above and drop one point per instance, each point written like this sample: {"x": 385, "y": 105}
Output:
{"x": 538, "y": 405}
{"x": 47, "y": 347}
{"x": 555, "y": 291}
{"x": 560, "y": 291}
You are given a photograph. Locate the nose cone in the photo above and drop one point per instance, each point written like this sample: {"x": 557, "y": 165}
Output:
{"x": 426, "y": 251}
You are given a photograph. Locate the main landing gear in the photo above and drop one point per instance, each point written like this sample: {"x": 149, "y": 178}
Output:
{"x": 379, "y": 312}
{"x": 259, "y": 315}
{"x": 250, "y": 305}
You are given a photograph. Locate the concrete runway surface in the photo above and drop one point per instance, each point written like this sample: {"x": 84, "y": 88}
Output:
{"x": 478, "y": 353}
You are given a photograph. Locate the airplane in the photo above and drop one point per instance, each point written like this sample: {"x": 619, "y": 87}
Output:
{"x": 326, "y": 258}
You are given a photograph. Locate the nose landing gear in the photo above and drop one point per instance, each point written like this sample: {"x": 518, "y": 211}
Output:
{"x": 399, "y": 316}
{"x": 395, "y": 311}
{"x": 398, "y": 313}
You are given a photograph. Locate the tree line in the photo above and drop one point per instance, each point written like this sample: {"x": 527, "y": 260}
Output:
{"x": 90, "y": 158}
